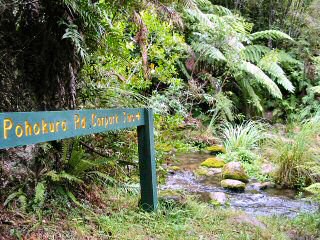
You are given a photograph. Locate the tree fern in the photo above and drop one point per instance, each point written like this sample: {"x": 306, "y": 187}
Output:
{"x": 261, "y": 78}
{"x": 253, "y": 98}
{"x": 277, "y": 72}
{"x": 284, "y": 57}
{"x": 253, "y": 53}
{"x": 208, "y": 7}
{"x": 270, "y": 34}
{"x": 208, "y": 52}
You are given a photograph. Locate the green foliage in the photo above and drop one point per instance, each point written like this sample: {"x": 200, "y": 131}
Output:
{"x": 295, "y": 156}
{"x": 39, "y": 199}
{"x": 315, "y": 190}
{"x": 244, "y": 136}
{"x": 223, "y": 47}
{"x": 267, "y": 34}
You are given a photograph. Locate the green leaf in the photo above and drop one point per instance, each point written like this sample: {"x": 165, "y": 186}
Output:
{"x": 261, "y": 78}
{"x": 208, "y": 52}
{"x": 270, "y": 34}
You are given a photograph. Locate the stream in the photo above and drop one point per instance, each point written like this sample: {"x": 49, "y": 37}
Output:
{"x": 279, "y": 202}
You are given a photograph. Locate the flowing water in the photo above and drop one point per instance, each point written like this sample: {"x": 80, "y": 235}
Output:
{"x": 257, "y": 202}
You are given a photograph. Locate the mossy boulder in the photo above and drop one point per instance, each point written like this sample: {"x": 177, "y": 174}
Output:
{"x": 207, "y": 172}
{"x": 174, "y": 168}
{"x": 201, "y": 171}
{"x": 213, "y": 163}
{"x": 216, "y": 149}
{"x": 234, "y": 170}
{"x": 218, "y": 198}
{"x": 233, "y": 184}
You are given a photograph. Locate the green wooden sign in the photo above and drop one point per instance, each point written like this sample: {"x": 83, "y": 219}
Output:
{"x": 24, "y": 128}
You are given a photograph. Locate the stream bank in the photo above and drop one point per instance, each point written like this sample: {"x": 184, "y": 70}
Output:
{"x": 269, "y": 202}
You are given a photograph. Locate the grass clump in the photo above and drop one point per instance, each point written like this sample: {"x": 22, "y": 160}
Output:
{"x": 296, "y": 156}
{"x": 246, "y": 135}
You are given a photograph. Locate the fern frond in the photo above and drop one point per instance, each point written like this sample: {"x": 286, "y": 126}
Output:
{"x": 253, "y": 53}
{"x": 270, "y": 34}
{"x": 284, "y": 57}
{"x": 183, "y": 69}
{"x": 207, "y": 6}
{"x": 13, "y": 196}
{"x": 253, "y": 99}
{"x": 58, "y": 177}
{"x": 261, "y": 78}
{"x": 201, "y": 17}
{"x": 208, "y": 51}
{"x": 188, "y": 3}
{"x": 315, "y": 89}
{"x": 277, "y": 72}
{"x": 39, "y": 196}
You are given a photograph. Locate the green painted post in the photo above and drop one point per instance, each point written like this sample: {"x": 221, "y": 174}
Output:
{"x": 147, "y": 164}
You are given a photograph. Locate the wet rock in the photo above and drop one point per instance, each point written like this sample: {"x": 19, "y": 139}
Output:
{"x": 233, "y": 184}
{"x": 218, "y": 198}
{"x": 248, "y": 220}
{"x": 216, "y": 149}
{"x": 268, "y": 169}
{"x": 168, "y": 197}
{"x": 234, "y": 170}
{"x": 260, "y": 186}
{"x": 208, "y": 172}
{"x": 213, "y": 163}
{"x": 267, "y": 185}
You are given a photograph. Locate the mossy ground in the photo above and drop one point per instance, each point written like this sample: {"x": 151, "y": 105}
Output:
{"x": 114, "y": 214}
{"x": 213, "y": 163}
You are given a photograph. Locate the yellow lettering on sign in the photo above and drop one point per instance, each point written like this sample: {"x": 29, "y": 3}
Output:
{"x": 84, "y": 122}
{"x": 100, "y": 122}
{"x": 76, "y": 121}
{"x": 93, "y": 117}
{"x": 107, "y": 122}
{"x": 64, "y": 126}
{"x": 36, "y": 129}
{"x": 19, "y": 131}
{"x": 57, "y": 126}
{"x": 124, "y": 117}
{"x": 44, "y": 127}
{"x": 111, "y": 120}
{"x": 51, "y": 127}
{"x": 138, "y": 116}
{"x": 7, "y": 126}
{"x": 28, "y": 128}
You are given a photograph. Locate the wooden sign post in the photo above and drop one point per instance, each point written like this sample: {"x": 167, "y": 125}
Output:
{"x": 24, "y": 128}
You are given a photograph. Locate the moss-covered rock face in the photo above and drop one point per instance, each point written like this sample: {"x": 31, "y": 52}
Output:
{"x": 216, "y": 149}
{"x": 234, "y": 170}
{"x": 233, "y": 184}
{"x": 213, "y": 163}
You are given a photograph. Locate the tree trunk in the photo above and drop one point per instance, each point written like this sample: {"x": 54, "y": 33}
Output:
{"x": 38, "y": 71}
